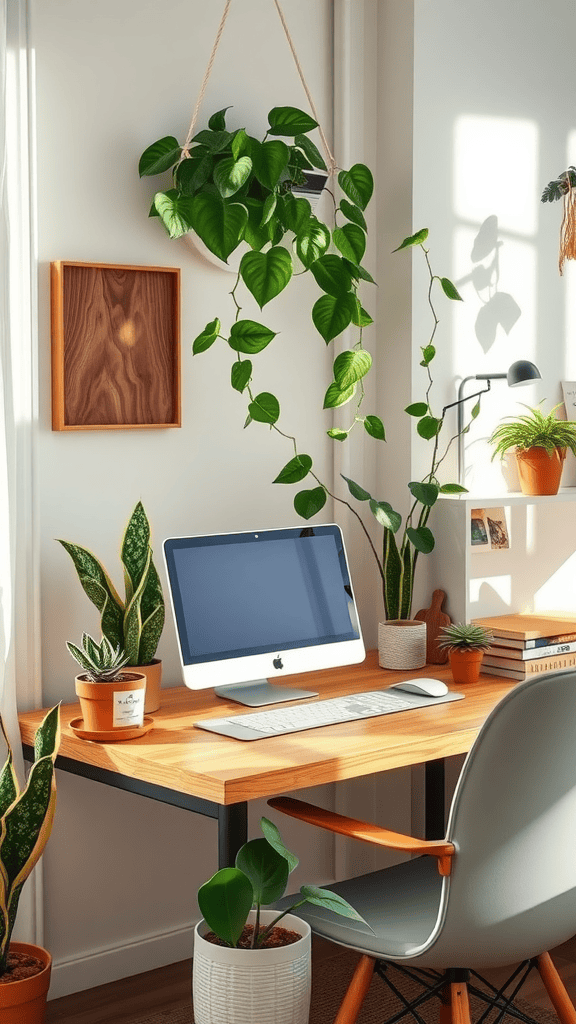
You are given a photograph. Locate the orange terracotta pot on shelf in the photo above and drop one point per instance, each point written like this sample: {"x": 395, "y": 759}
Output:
{"x": 115, "y": 705}
{"x": 540, "y": 471}
{"x": 24, "y": 1001}
{"x": 465, "y": 665}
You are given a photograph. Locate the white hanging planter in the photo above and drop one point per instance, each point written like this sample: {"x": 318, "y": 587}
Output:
{"x": 253, "y": 986}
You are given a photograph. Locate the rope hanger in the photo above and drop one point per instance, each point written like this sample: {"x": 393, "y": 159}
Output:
{"x": 331, "y": 163}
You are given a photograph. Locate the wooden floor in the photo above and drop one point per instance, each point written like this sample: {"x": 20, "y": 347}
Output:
{"x": 168, "y": 988}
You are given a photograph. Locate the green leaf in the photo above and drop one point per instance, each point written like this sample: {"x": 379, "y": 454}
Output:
{"x": 216, "y": 142}
{"x": 273, "y": 836}
{"x": 351, "y": 241}
{"x": 268, "y": 208}
{"x": 219, "y": 224}
{"x": 269, "y": 160}
{"x": 416, "y": 239}
{"x": 191, "y": 175}
{"x": 295, "y": 470}
{"x": 332, "y": 314}
{"x": 99, "y": 588}
{"x": 331, "y": 274}
{"x": 175, "y": 212}
{"x": 422, "y": 538}
{"x": 160, "y": 156}
{"x": 335, "y": 396}
{"x": 426, "y": 494}
{"x": 359, "y": 272}
{"x": 417, "y": 409}
{"x": 217, "y": 123}
{"x": 355, "y": 490}
{"x": 265, "y": 408}
{"x": 428, "y": 353}
{"x": 255, "y": 233}
{"x": 361, "y": 317}
{"x": 350, "y": 366}
{"x": 385, "y": 515}
{"x": 240, "y": 374}
{"x": 374, "y": 426}
{"x": 289, "y": 121}
{"x": 311, "y": 151}
{"x": 312, "y": 241}
{"x": 357, "y": 184}
{"x": 296, "y": 213}
{"x": 428, "y": 427}
{"x": 449, "y": 289}
{"x": 308, "y": 503}
{"x": 230, "y": 175}
{"x": 225, "y": 901}
{"x": 266, "y": 870}
{"x": 249, "y": 337}
{"x": 266, "y": 274}
{"x": 207, "y": 337}
{"x": 336, "y": 434}
{"x": 330, "y": 901}
{"x": 353, "y": 213}
{"x": 241, "y": 144}
{"x": 453, "y": 489}
{"x": 475, "y": 410}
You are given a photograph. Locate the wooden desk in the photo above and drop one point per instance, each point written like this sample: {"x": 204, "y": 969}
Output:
{"x": 216, "y": 776}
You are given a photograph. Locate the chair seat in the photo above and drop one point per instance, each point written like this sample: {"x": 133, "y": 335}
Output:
{"x": 399, "y": 903}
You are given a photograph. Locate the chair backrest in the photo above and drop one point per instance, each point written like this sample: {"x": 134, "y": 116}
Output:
{"x": 512, "y": 893}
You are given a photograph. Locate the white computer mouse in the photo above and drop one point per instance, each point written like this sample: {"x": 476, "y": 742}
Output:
{"x": 425, "y": 687}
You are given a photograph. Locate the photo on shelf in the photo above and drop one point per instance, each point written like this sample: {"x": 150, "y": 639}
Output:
{"x": 569, "y": 396}
{"x": 488, "y": 529}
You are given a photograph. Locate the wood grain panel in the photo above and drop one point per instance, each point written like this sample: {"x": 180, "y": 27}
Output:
{"x": 115, "y": 346}
{"x": 182, "y": 758}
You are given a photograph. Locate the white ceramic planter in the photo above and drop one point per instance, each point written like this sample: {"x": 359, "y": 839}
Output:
{"x": 402, "y": 644}
{"x": 253, "y": 986}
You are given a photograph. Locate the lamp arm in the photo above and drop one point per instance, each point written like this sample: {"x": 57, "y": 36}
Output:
{"x": 460, "y": 420}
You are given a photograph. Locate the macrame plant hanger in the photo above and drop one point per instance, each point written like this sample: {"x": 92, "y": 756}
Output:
{"x": 330, "y": 162}
{"x": 568, "y": 226}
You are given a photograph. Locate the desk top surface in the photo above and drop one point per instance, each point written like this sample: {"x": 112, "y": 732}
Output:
{"x": 177, "y": 756}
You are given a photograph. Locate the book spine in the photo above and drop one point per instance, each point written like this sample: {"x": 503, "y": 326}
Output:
{"x": 507, "y": 673}
{"x": 528, "y": 654}
{"x": 521, "y": 670}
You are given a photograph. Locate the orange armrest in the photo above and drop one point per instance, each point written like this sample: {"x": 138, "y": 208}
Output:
{"x": 354, "y": 829}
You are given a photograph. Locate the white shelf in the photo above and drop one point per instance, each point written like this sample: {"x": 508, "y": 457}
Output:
{"x": 510, "y": 498}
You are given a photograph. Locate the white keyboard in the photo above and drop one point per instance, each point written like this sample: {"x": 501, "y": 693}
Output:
{"x": 298, "y": 717}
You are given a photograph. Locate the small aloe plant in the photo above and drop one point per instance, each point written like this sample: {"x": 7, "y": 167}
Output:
{"x": 464, "y": 636}
{"x": 258, "y": 879}
{"x": 102, "y": 663}
{"x": 25, "y": 821}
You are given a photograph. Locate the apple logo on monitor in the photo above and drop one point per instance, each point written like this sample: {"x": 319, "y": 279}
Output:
{"x": 277, "y": 662}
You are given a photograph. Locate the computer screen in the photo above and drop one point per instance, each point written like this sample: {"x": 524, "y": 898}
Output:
{"x": 252, "y": 607}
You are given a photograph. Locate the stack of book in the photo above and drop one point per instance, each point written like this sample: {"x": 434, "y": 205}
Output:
{"x": 523, "y": 645}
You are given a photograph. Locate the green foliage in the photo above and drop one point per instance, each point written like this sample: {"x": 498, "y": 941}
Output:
{"x": 558, "y": 188}
{"x": 534, "y": 430}
{"x": 26, "y": 821}
{"x": 100, "y": 662}
{"x": 259, "y": 878}
{"x": 462, "y": 636}
{"x": 135, "y": 624}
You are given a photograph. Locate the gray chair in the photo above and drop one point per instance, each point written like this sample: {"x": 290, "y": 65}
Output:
{"x": 499, "y": 890}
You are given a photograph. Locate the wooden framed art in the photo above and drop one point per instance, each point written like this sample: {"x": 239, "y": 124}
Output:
{"x": 115, "y": 346}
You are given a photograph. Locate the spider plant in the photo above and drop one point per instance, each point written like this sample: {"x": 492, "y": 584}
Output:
{"x": 534, "y": 430}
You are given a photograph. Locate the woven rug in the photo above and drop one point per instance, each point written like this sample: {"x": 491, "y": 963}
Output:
{"x": 330, "y": 979}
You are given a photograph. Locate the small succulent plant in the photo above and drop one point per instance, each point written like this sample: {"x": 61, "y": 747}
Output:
{"x": 102, "y": 663}
{"x": 464, "y": 636}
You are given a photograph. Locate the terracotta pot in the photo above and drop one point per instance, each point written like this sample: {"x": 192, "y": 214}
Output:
{"x": 402, "y": 643}
{"x": 466, "y": 665}
{"x": 539, "y": 471}
{"x": 24, "y": 1002}
{"x": 153, "y": 673}
{"x": 107, "y": 706}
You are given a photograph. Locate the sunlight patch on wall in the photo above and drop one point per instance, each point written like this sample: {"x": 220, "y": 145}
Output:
{"x": 558, "y": 593}
{"x": 480, "y": 181}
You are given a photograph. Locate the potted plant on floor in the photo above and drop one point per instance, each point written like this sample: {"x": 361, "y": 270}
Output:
{"x": 241, "y": 949}
{"x": 112, "y": 696}
{"x": 26, "y": 823}
{"x": 134, "y": 624}
{"x": 466, "y": 644}
{"x": 540, "y": 443}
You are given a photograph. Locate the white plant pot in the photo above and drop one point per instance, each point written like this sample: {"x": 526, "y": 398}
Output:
{"x": 253, "y": 986}
{"x": 402, "y": 644}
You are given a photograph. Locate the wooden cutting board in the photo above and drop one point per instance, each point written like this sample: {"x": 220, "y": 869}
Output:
{"x": 434, "y": 618}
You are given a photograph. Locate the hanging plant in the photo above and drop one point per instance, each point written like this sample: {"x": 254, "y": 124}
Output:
{"x": 564, "y": 187}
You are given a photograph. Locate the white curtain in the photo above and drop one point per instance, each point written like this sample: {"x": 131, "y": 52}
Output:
{"x": 19, "y": 605}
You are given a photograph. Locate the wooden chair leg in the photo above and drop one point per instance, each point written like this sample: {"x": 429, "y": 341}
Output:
{"x": 459, "y": 1003}
{"x": 351, "y": 1004}
{"x": 555, "y": 988}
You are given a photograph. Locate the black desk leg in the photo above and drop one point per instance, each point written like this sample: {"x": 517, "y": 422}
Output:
{"x": 232, "y": 832}
{"x": 434, "y": 799}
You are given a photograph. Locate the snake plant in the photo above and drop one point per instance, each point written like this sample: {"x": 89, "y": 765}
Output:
{"x": 135, "y": 624}
{"x": 102, "y": 663}
{"x": 26, "y": 821}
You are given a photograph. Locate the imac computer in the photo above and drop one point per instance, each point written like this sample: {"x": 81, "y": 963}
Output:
{"x": 252, "y": 607}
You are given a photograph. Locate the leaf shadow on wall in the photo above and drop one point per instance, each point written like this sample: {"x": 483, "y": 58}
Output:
{"x": 498, "y": 308}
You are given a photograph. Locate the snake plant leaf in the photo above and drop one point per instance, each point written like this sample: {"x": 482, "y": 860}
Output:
{"x": 269, "y": 161}
{"x": 355, "y": 490}
{"x": 422, "y": 538}
{"x": 331, "y": 274}
{"x": 357, "y": 184}
{"x": 132, "y": 628}
{"x": 290, "y": 121}
{"x": 332, "y": 314}
{"x": 392, "y": 572}
{"x": 175, "y": 212}
{"x": 99, "y": 588}
{"x": 353, "y": 213}
{"x": 193, "y": 173}
{"x": 272, "y": 834}
{"x": 230, "y": 175}
{"x": 335, "y": 396}
{"x": 207, "y": 337}
{"x": 311, "y": 151}
{"x": 330, "y": 901}
{"x": 219, "y": 223}
{"x": 9, "y": 788}
{"x": 373, "y": 425}
{"x": 266, "y": 274}
{"x": 350, "y": 366}
{"x": 426, "y": 494}
{"x": 135, "y": 544}
{"x": 160, "y": 156}
{"x": 308, "y": 503}
{"x": 417, "y": 239}
{"x": 449, "y": 289}
{"x": 217, "y": 123}
{"x": 240, "y": 374}
{"x": 225, "y": 901}
{"x": 152, "y": 614}
{"x": 385, "y": 515}
{"x": 408, "y": 559}
{"x": 351, "y": 241}
{"x": 266, "y": 870}
{"x": 249, "y": 337}
{"x": 312, "y": 241}
{"x": 265, "y": 408}
{"x": 295, "y": 470}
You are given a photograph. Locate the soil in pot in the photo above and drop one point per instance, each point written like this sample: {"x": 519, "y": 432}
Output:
{"x": 277, "y": 937}
{"x": 21, "y": 965}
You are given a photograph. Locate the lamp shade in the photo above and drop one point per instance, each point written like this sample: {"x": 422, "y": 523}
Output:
{"x": 522, "y": 372}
